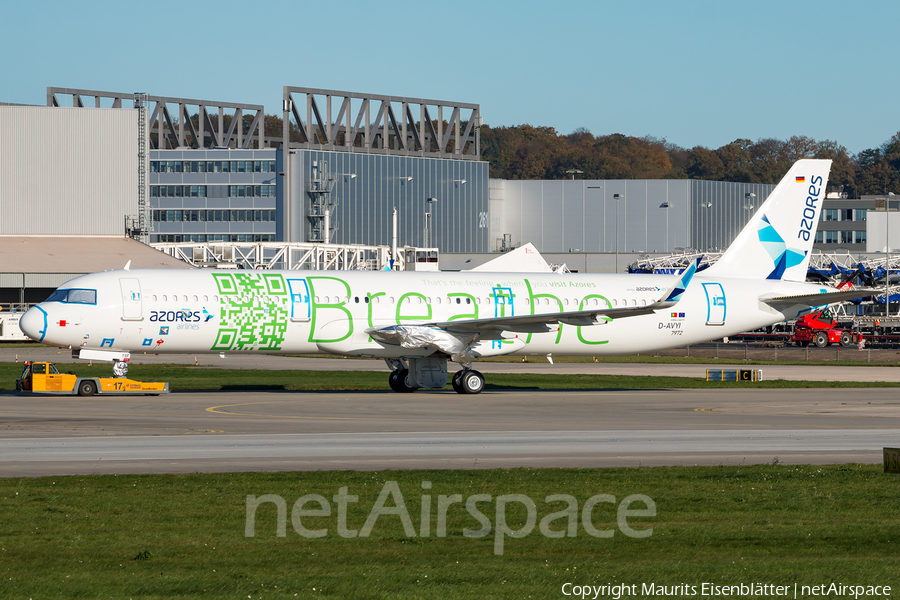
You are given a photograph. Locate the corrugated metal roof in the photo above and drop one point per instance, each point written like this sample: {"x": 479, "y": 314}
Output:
{"x": 78, "y": 254}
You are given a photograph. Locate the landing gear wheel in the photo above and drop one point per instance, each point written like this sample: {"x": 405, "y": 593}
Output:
{"x": 471, "y": 382}
{"x": 455, "y": 382}
{"x": 399, "y": 382}
{"x": 821, "y": 339}
{"x": 87, "y": 388}
{"x": 846, "y": 339}
{"x": 393, "y": 381}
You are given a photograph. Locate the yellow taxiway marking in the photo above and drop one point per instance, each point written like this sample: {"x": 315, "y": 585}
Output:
{"x": 176, "y": 430}
{"x": 619, "y": 424}
{"x": 218, "y": 410}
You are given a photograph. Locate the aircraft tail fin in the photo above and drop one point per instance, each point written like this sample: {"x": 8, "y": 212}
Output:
{"x": 778, "y": 240}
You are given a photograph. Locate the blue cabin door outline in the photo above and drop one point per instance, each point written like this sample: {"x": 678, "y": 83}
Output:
{"x": 715, "y": 303}
{"x": 132, "y": 305}
{"x": 301, "y": 307}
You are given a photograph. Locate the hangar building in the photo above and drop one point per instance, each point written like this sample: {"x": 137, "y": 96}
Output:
{"x": 186, "y": 171}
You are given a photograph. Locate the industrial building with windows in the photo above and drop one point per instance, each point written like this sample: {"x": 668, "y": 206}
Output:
{"x": 349, "y": 169}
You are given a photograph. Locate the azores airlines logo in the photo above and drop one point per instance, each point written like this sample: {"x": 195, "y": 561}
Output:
{"x": 783, "y": 257}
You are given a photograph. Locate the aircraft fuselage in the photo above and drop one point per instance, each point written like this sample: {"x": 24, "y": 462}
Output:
{"x": 168, "y": 311}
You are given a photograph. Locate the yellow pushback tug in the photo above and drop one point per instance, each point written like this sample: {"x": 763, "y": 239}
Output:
{"x": 45, "y": 378}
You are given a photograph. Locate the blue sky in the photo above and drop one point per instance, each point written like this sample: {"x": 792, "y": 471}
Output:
{"x": 695, "y": 73}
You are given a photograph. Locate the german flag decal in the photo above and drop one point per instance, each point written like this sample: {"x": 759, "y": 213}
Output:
{"x": 801, "y": 179}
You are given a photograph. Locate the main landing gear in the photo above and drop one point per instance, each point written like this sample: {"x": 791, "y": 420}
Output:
{"x": 431, "y": 372}
{"x": 467, "y": 382}
{"x": 401, "y": 382}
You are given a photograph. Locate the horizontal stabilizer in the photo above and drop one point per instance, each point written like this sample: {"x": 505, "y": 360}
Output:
{"x": 822, "y": 299}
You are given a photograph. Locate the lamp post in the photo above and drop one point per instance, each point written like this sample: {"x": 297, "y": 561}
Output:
{"x": 707, "y": 206}
{"x": 887, "y": 256}
{"x": 428, "y": 218}
{"x": 666, "y": 205}
{"x": 572, "y": 172}
{"x": 616, "y": 197}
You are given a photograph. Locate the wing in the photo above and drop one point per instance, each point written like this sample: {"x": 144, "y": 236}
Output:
{"x": 491, "y": 327}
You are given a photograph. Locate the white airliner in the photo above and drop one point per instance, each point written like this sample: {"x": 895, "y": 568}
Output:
{"x": 417, "y": 322}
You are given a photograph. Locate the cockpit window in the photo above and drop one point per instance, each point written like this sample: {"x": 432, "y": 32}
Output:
{"x": 74, "y": 296}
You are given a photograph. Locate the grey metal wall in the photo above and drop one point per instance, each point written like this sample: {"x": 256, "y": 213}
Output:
{"x": 362, "y": 215}
{"x": 217, "y": 197}
{"x": 719, "y": 211}
{"x": 67, "y": 171}
{"x": 570, "y": 216}
{"x": 654, "y": 216}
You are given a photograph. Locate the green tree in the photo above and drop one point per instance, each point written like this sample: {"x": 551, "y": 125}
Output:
{"x": 843, "y": 168}
{"x": 704, "y": 164}
{"x": 737, "y": 161}
{"x": 874, "y": 175}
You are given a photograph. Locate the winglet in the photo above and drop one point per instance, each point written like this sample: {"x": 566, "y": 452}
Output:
{"x": 676, "y": 291}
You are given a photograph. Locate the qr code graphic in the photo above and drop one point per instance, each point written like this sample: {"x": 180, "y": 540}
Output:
{"x": 254, "y": 311}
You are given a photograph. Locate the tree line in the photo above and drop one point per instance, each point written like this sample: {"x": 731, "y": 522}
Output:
{"x": 529, "y": 152}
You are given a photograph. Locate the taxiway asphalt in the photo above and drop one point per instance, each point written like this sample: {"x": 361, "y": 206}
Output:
{"x": 278, "y": 431}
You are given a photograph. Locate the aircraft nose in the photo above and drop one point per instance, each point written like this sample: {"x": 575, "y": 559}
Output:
{"x": 34, "y": 323}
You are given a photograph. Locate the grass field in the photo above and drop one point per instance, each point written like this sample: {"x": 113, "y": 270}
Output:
{"x": 183, "y": 378}
{"x": 183, "y": 536}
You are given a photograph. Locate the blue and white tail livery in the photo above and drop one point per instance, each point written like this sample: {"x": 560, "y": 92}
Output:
{"x": 777, "y": 241}
{"x": 418, "y": 322}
